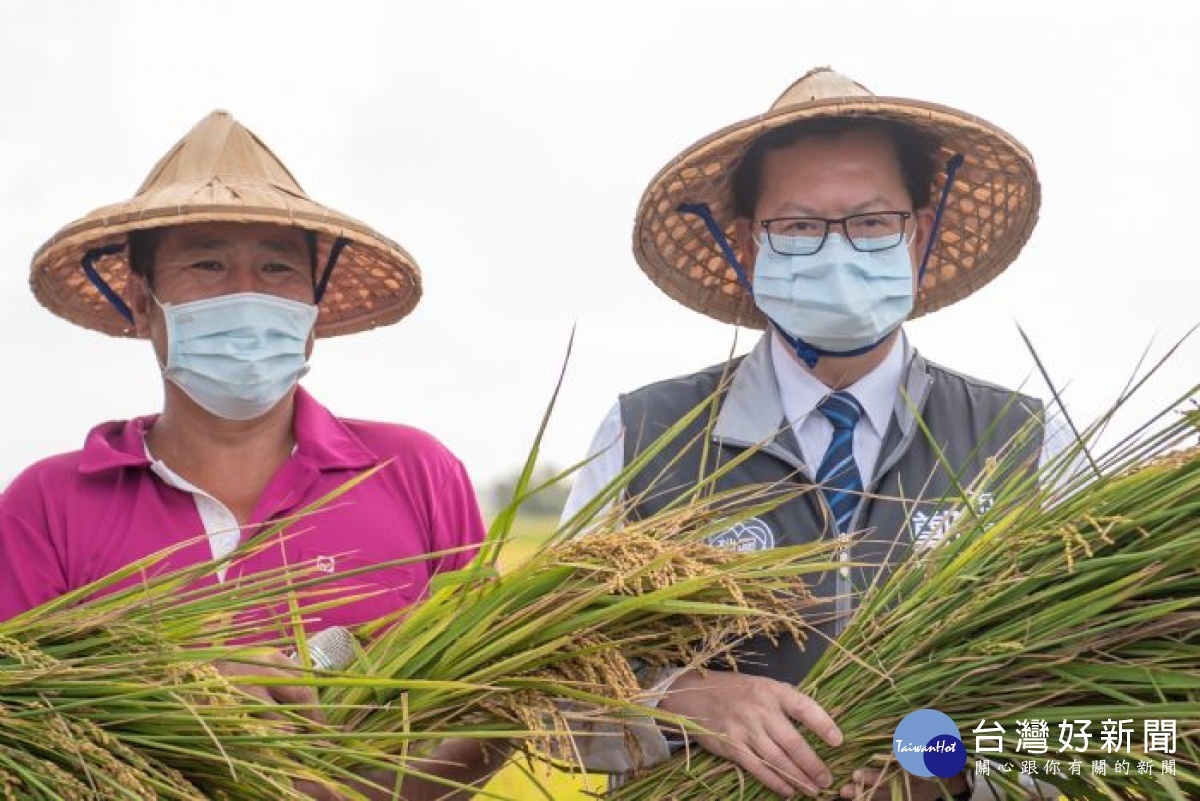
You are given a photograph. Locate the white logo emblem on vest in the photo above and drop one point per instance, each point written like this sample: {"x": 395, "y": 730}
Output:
{"x": 930, "y": 529}
{"x": 748, "y": 535}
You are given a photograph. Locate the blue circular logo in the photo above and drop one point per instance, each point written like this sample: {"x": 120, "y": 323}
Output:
{"x": 745, "y": 536}
{"x": 928, "y": 744}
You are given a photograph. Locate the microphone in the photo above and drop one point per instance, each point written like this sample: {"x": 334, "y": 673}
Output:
{"x": 333, "y": 648}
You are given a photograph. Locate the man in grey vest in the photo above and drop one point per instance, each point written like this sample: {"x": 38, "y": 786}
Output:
{"x": 828, "y": 221}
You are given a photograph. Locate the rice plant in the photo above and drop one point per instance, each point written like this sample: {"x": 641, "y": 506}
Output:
{"x": 1066, "y": 601}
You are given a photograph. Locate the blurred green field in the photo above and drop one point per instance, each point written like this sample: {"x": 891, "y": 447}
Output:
{"x": 523, "y": 780}
{"x": 528, "y": 533}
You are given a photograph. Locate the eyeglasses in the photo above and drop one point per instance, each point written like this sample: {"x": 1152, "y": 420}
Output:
{"x": 804, "y": 236}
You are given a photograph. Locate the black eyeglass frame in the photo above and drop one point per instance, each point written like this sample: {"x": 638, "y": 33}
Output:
{"x": 827, "y": 222}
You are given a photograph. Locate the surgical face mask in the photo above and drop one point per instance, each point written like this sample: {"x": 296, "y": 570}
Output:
{"x": 237, "y": 355}
{"x": 838, "y": 299}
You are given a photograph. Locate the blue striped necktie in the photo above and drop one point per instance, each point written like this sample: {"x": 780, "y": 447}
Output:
{"x": 838, "y": 474}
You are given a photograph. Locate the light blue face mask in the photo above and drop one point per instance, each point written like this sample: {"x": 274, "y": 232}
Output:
{"x": 838, "y": 299}
{"x": 237, "y": 355}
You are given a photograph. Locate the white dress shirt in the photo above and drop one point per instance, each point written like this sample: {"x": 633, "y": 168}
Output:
{"x": 800, "y": 392}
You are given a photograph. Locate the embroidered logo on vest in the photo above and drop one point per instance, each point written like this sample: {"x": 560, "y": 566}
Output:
{"x": 930, "y": 529}
{"x": 745, "y": 536}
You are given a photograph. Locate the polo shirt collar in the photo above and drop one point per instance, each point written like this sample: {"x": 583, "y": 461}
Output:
{"x": 325, "y": 441}
{"x": 117, "y": 444}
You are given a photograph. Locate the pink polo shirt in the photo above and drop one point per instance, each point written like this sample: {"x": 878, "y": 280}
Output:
{"x": 74, "y": 518}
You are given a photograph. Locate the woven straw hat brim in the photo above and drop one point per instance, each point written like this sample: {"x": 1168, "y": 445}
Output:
{"x": 221, "y": 172}
{"x": 375, "y": 283}
{"x": 990, "y": 213}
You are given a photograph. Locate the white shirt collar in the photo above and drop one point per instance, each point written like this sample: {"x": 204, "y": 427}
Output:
{"x": 800, "y": 391}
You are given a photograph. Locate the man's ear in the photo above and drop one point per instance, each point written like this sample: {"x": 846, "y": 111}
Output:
{"x": 924, "y": 231}
{"x": 745, "y": 244}
{"x": 140, "y": 303}
{"x": 919, "y": 243}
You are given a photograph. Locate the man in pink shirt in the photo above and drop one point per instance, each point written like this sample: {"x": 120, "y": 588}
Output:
{"x": 231, "y": 271}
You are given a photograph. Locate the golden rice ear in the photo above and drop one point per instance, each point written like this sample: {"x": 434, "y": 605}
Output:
{"x": 221, "y": 172}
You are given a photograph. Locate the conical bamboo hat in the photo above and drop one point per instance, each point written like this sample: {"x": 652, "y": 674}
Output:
{"x": 222, "y": 172}
{"x": 990, "y": 213}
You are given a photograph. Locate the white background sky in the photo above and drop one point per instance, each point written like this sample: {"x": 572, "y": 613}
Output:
{"x": 506, "y": 145}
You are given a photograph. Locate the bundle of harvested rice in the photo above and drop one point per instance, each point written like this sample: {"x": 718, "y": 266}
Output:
{"x": 1058, "y": 605}
{"x": 114, "y": 693}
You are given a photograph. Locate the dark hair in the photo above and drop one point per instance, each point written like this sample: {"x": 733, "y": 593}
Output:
{"x": 915, "y": 151}
{"x": 142, "y": 245}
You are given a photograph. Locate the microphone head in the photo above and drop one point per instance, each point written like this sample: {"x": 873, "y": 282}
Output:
{"x": 333, "y": 648}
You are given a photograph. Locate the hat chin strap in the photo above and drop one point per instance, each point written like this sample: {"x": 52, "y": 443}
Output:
{"x": 334, "y": 252}
{"x": 88, "y": 262}
{"x": 810, "y": 354}
{"x": 807, "y": 352}
{"x": 952, "y": 165}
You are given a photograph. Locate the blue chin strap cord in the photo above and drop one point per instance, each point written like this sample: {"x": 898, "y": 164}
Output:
{"x": 89, "y": 269}
{"x": 809, "y": 353}
{"x": 952, "y": 166}
{"x": 322, "y": 284}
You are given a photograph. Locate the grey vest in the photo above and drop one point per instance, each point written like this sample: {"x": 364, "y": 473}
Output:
{"x": 968, "y": 425}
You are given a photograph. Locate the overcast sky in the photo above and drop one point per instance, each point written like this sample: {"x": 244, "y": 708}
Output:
{"x": 506, "y": 145}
